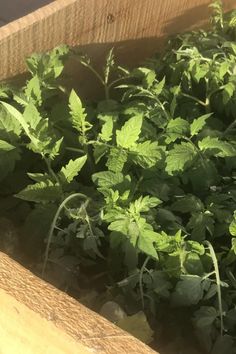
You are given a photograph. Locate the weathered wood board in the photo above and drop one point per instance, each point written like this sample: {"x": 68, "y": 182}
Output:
{"x": 135, "y": 27}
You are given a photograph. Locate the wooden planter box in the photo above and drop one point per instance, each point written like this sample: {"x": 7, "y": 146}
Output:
{"x": 35, "y": 317}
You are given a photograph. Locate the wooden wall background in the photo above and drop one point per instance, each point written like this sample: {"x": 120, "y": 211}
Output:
{"x": 137, "y": 28}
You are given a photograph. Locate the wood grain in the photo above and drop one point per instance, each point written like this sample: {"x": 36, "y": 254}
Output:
{"x": 136, "y": 28}
{"x": 23, "y": 331}
{"x": 84, "y": 326}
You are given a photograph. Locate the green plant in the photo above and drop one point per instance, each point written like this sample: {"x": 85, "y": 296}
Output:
{"x": 141, "y": 184}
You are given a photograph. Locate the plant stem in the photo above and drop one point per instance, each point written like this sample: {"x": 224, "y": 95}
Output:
{"x": 50, "y": 170}
{"x": 231, "y": 126}
{"x": 141, "y": 279}
{"x": 194, "y": 99}
{"x": 53, "y": 224}
{"x": 217, "y": 274}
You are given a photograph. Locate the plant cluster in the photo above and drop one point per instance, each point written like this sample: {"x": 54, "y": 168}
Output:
{"x": 141, "y": 185}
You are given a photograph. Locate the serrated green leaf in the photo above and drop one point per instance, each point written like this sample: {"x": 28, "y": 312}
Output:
{"x": 205, "y": 317}
{"x": 200, "y": 223}
{"x": 107, "y": 129}
{"x": 107, "y": 179}
{"x": 33, "y": 90}
{"x": 116, "y": 159}
{"x": 129, "y": 133}
{"x": 193, "y": 264}
{"x": 42, "y": 192}
{"x": 232, "y": 226}
{"x": 5, "y": 147}
{"x": 31, "y": 115}
{"x": 146, "y": 242}
{"x": 228, "y": 91}
{"x": 143, "y": 204}
{"x": 198, "y": 123}
{"x": 147, "y": 75}
{"x": 17, "y": 115}
{"x": 176, "y": 128}
{"x": 9, "y": 128}
{"x": 188, "y": 291}
{"x": 71, "y": 170}
{"x": 158, "y": 88}
{"x": 180, "y": 157}
{"x": 9, "y": 154}
{"x": 99, "y": 151}
{"x": 39, "y": 177}
{"x": 78, "y": 115}
{"x": 147, "y": 154}
{"x": 187, "y": 204}
{"x": 217, "y": 147}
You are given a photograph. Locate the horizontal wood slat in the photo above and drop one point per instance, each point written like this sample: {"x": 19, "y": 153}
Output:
{"x": 135, "y": 27}
{"x": 29, "y": 294}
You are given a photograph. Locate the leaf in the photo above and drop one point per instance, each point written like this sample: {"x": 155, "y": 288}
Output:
{"x": 71, "y": 170}
{"x": 10, "y": 129}
{"x": 5, "y": 147}
{"x": 217, "y": 147}
{"x": 233, "y": 241}
{"x": 228, "y": 91}
{"x": 200, "y": 71}
{"x": 138, "y": 326}
{"x": 188, "y": 291}
{"x": 180, "y": 157}
{"x": 33, "y": 90}
{"x": 31, "y": 115}
{"x": 224, "y": 344}
{"x": 17, "y": 115}
{"x": 158, "y": 88}
{"x": 198, "y": 123}
{"x": 9, "y": 154}
{"x": 188, "y": 204}
{"x": 116, "y": 159}
{"x": 176, "y": 128}
{"x": 232, "y": 226}
{"x": 193, "y": 264}
{"x": 107, "y": 129}
{"x": 129, "y": 133}
{"x": 39, "y": 177}
{"x": 41, "y": 192}
{"x": 200, "y": 223}
{"x": 158, "y": 281}
{"x": 146, "y": 241}
{"x": 78, "y": 115}
{"x": 147, "y": 75}
{"x": 205, "y": 317}
{"x": 107, "y": 179}
{"x": 99, "y": 151}
{"x": 147, "y": 154}
{"x": 143, "y": 204}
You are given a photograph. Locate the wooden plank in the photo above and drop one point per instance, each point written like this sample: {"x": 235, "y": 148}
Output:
{"x": 29, "y": 295}
{"x": 136, "y": 28}
{"x": 22, "y": 331}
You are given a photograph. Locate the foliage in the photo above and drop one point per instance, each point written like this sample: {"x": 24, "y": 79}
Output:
{"x": 144, "y": 182}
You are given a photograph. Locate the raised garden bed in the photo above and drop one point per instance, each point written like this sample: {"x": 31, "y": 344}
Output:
{"x": 122, "y": 192}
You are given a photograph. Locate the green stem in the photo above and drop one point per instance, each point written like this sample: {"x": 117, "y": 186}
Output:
{"x": 75, "y": 149}
{"x": 194, "y": 99}
{"x": 53, "y": 224}
{"x": 231, "y": 126}
{"x": 217, "y": 274}
{"x": 50, "y": 170}
{"x": 106, "y": 88}
{"x": 117, "y": 80}
{"x": 141, "y": 279}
